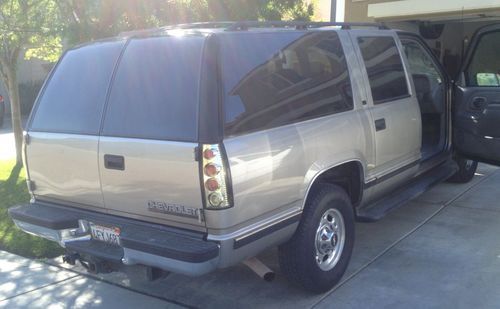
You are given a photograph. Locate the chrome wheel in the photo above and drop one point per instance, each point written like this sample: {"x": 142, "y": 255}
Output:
{"x": 330, "y": 239}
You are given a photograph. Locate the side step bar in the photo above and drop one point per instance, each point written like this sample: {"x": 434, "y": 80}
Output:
{"x": 377, "y": 210}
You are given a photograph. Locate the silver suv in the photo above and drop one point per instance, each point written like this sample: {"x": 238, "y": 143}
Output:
{"x": 196, "y": 147}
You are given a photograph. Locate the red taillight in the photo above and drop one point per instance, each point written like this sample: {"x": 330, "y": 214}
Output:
{"x": 209, "y": 153}
{"x": 212, "y": 184}
{"x": 215, "y": 175}
{"x": 212, "y": 169}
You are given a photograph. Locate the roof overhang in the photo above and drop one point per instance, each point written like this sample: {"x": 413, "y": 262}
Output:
{"x": 432, "y": 10}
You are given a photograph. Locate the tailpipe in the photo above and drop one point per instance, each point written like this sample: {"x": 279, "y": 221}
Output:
{"x": 260, "y": 269}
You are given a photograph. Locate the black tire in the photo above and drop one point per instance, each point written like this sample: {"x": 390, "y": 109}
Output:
{"x": 466, "y": 171}
{"x": 297, "y": 257}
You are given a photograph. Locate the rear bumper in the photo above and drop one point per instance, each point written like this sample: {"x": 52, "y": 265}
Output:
{"x": 167, "y": 248}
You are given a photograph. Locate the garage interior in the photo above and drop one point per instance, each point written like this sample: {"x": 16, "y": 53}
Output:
{"x": 447, "y": 27}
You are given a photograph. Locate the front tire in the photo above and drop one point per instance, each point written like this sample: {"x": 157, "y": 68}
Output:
{"x": 318, "y": 254}
{"x": 467, "y": 170}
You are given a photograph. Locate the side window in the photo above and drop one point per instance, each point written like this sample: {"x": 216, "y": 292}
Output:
{"x": 155, "y": 92}
{"x": 484, "y": 67}
{"x": 273, "y": 80}
{"x": 427, "y": 77}
{"x": 384, "y": 67}
{"x": 73, "y": 99}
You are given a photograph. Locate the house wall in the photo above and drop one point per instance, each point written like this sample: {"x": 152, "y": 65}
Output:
{"x": 429, "y": 10}
{"x": 357, "y": 10}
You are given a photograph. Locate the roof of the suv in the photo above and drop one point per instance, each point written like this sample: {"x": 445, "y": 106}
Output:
{"x": 245, "y": 26}
{"x": 224, "y": 27}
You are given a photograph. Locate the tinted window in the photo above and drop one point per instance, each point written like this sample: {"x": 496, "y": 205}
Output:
{"x": 484, "y": 68}
{"x": 74, "y": 97}
{"x": 155, "y": 91}
{"x": 275, "y": 79}
{"x": 384, "y": 67}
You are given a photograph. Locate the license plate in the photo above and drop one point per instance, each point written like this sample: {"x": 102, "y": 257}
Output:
{"x": 110, "y": 235}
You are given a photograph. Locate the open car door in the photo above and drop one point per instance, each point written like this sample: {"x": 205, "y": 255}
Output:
{"x": 476, "y": 108}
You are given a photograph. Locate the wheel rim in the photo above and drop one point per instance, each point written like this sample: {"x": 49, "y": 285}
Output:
{"x": 330, "y": 239}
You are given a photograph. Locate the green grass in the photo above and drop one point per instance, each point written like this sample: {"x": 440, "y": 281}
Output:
{"x": 13, "y": 191}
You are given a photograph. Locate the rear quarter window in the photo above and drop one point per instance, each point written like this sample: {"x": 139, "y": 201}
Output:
{"x": 274, "y": 79}
{"x": 73, "y": 98}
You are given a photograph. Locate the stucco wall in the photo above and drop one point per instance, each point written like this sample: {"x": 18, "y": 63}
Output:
{"x": 357, "y": 10}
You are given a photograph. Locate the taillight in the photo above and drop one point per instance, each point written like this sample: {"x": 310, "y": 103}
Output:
{"x": 215, "y": 178}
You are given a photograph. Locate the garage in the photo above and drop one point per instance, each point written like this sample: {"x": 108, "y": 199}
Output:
{"x": 447, "y": 25}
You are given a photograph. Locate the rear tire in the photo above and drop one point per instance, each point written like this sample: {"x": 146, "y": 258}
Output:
{"x": 466, "y": 171}
{"x": 318, "y": 254}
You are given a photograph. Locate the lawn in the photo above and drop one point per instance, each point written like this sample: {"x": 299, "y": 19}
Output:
{"x": 13, "y": 191}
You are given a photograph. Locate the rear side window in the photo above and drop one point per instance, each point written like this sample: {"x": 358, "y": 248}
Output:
{"x": 274, "y": 79}
{"x": 384, "y": 67}
{"x": 73, "y": 99}
{"x": 155, "y": 91}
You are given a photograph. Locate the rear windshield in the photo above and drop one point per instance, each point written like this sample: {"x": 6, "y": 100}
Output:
{"x": 155, "y": 91}
{"x": 274, "y": 79}
{"x": 73, "y": 99}
{"x": 153, "y": 95}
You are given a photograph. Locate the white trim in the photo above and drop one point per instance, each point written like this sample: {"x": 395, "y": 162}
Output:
{"x": 426, "y": 7}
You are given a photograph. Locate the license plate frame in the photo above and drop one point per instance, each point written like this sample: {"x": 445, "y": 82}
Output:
{"x": 106, "y": 234}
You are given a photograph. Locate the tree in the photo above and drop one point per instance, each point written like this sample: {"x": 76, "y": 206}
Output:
{"x": 88, "y": 20}
{"x": 27, "y": 28}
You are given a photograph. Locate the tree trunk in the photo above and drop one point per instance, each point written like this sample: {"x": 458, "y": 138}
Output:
{"x": 15, "y": 110}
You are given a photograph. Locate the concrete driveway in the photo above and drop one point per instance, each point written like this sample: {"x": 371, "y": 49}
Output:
{"x": 441, "y": 250}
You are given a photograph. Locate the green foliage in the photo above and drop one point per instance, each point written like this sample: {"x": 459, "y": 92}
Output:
{"x": 32, "y": 27}
{"x": 93, "y": 19}
{"x": 13, "y": 191}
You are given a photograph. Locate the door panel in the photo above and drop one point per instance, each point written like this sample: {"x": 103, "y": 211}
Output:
{"x": 395, "y": 114}
{"x": 149, "y": 133}
{"x": 477, "y": 123}
{"x": 154, "y": 180}
{"x": 64, "y": 167}
{"x": 477, "y": 99}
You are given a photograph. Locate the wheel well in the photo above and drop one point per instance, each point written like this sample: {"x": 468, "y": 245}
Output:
{"x": 348, "y": 176}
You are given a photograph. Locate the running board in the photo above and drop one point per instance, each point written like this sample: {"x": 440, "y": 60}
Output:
{"x": 377, "y": 210}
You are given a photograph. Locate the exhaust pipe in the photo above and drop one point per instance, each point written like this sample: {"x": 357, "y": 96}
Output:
{"x": 260, "y": 269}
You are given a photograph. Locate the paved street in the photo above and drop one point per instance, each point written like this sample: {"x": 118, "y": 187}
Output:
{"x": 441, "y": 250}
{"x": 7, "y": 146}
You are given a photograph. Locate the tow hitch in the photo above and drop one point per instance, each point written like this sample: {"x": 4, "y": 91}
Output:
{"x": 93, "y": 266}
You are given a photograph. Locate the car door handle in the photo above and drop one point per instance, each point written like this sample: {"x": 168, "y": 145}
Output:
{"x": 114, "y": 162}
{"x": 478, "y": 103}
{"x": 380, "y": 124}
